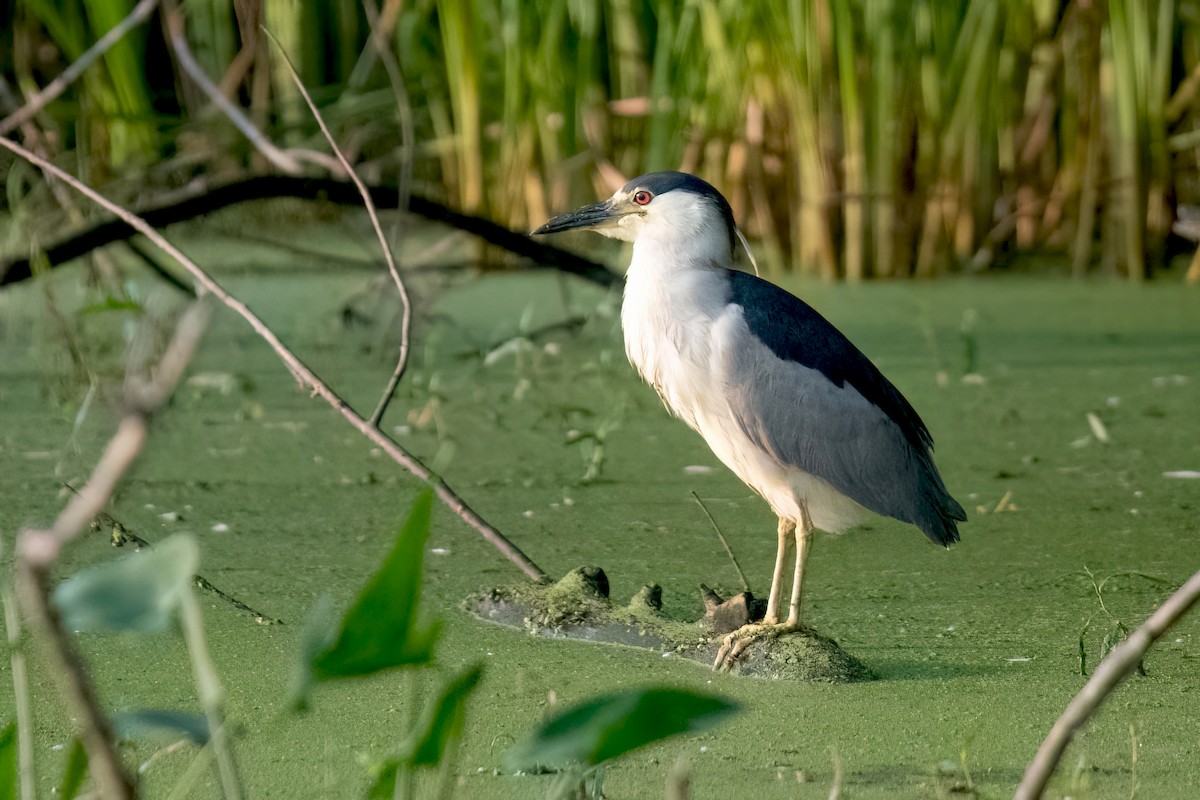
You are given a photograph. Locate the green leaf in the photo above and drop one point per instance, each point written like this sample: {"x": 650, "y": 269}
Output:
{"x": 8, "y": 761}
{"x": 157, "y": 724}
{"x": 111, "y": 304}
{"x": 442, "y": 721}
{"x": 380, "y": 631}
{"x": 138, "y": 592}
{"x": 611, "y": 725}
{"x": 384, "y": 785}
{"x": 76, "y": 771}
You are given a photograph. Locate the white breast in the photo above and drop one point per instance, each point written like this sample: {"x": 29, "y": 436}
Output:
{"x": 667, "y": 316}
{"x": 670, "y": 316}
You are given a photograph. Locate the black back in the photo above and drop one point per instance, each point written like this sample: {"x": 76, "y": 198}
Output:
{"x": 794, "y": 331}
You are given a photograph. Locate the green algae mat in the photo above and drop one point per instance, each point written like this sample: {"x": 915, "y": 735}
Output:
{"x": 1067, "y": 422}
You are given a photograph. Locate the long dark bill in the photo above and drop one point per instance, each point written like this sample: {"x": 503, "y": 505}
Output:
{"x": 592, "y": 216}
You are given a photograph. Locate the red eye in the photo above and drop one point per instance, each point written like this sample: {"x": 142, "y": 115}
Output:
{"x": 642, "y": 197}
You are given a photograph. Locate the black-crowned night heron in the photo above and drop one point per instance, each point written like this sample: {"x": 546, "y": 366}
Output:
{"x": 780, "y": 395}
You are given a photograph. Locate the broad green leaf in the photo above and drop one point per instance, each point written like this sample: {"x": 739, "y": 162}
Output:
{"x": 161, "y": 724}
{"x": 8, "y": 761}
{"x": 381, "y": 630}
{"x": 442, "y": 721}
{"x": 138, "y": 592}
{"x": 611, "y": 725}
{"x": 76, "y": 771}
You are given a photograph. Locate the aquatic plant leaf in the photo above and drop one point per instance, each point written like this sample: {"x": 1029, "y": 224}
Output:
{"x": 442, "y": 721}
{"x": 384, "y": 785}
{"x": 161, "y": 724}
{"x": 8, "y": 761}
{"x": 111, "y": 303}
{"x": 611, "y": 725}
{"x": 137, "y": 592}
{"x": 381, "y": 630}
{"x": 75, "y": 772}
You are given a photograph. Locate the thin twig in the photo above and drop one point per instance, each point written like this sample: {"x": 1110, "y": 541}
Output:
{"x": 20, "y": 679}
{"x": 301, "y": 372}
{"x": 37, "y": 550}
{"x": 284, "y": 160}
{"x": 382, "y": 26}
{"x": 393, "y": 269}
{"x": 140, "y": 13}
{"x": 1116, "y": 667}
{"x": 121, "y": 535}
{"x": 97, "y": 735}
{"x": 204, "y": 197}
{"x": 41, "y": 548}
{"x": 725, "y": 544}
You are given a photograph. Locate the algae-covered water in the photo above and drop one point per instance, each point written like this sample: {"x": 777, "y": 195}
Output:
{"x": 976, "y": 649}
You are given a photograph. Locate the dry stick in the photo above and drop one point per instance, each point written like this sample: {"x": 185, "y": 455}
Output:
{"x": 382, "y": 26}
{"x": 406, "y": 318}
{"x": 20, "y": 679}
{"x": 122, "y": 534}
{"x": 725, "y": 544}
{"x": 202, "y": 196}
{"x": 379, "y": 39}
{"x": 37, "y": 550}
{"x": 1119, "y": 664}
{"x": 303, "y": 375}
{"x": 284, "y": 160}
{"x": 36, "y": 140}
{"x": 103, "y": 762}
{"x": 139, "y": 14}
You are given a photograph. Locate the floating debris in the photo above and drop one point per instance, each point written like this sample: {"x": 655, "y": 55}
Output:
{"x": 1098, "y": 428}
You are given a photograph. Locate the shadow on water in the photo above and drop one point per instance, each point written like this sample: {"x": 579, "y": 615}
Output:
{"x": 894, "y": 669}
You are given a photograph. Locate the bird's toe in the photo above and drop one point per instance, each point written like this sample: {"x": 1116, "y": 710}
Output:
{"x": 736, "y": 643}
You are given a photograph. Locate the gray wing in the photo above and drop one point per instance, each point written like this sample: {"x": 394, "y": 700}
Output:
{"x": 805, "y": 420}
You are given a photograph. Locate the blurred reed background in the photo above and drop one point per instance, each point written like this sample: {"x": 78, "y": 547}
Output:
{"x": 855, "y": 138}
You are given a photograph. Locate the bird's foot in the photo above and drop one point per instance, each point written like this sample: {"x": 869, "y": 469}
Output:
{"x": 736, "y": 643}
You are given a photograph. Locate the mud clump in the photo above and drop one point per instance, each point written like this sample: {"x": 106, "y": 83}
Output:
{"x": 579, "y": 607}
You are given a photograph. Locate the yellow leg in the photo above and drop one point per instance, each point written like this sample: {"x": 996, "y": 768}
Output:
{"x": 786, "y": 531}
{"x": 804, "y": 538}
{"x": 737, "y": 642}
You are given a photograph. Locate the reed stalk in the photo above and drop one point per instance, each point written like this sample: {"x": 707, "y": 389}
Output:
{"x": 854, "y": 138}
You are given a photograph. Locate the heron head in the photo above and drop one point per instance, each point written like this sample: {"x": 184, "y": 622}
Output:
{"x": 672, "y": 207}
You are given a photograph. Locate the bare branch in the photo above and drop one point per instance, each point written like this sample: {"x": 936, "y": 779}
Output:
{"x": 381, "y": 28}
{"x": 282, "y": 160}
{"x": 37, "y": 550}
{"x": 1119, "y": 664}
{"x": 393, "y": 269}
{"x": 140, "y": 13}
{"x": 41, "y": 548}
{"x": 204, "y": 197}
{"x": 20, "y": 680}
{"x": 299, "y": 370}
